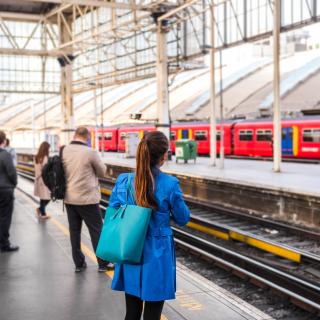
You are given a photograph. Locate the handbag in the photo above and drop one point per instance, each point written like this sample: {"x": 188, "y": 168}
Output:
{"x": 124, "y": 232}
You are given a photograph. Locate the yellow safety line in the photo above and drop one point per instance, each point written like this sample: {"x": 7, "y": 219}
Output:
{"x": 279, "y": 251}
{"x": 86, "y": 250}
{"x": 207, "y": 230}
{"x": 106, "y": 192}
{"x": 25, "y": 168}
{"x": 263, "y": 245}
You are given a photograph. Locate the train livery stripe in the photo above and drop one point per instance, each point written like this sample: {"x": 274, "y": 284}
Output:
{"x": 295, "y": 140}
{"x": 179, "y": 134}
{"x": 210, "y": 231}
{"x": 190, "y": 134}
{"x": 279, "y": 251}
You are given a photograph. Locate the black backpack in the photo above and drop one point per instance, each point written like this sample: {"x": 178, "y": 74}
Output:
{"x": 54, "y": 178}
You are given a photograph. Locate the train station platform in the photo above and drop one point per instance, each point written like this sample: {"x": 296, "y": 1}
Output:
{"x": 294, "y": 177}
{"x": 38, "y": 282}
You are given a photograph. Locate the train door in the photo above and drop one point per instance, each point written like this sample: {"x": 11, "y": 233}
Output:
{"x": 185, "y": 133}
{"x": 287, "y": 141}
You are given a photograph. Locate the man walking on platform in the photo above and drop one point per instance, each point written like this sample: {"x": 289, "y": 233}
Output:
{"x": 8, "y": 181}
{"x": 83, "y": 166}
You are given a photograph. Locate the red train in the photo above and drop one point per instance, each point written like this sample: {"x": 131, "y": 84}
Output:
{"x": 300, "y": 138}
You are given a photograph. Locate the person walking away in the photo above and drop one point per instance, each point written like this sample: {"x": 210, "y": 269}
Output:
{"x": 40, "y": 189}
{"x": 8, "y": 181}
{"x": 83, "y": 166}
{"x": 153, "y": 280}
{"x": 11, "y": 151}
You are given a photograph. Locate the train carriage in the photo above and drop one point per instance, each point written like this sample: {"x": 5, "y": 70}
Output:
{"x": 253, "y": 139}
{"x": 299, "y": 138}
{"x": 107, "y": 138}
{"x": 200, "y": 132}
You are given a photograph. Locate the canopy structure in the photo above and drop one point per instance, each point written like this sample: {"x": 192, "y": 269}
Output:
{"x": 110, "y": 42}
{"x": 73, "y": 46}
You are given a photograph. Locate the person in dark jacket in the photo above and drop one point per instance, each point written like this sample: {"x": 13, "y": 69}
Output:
{"x": 8, "y": 181}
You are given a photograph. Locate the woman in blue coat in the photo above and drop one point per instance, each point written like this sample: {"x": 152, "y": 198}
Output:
{"x": 154, "y": 279}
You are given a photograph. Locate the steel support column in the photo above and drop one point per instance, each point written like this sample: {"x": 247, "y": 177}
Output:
{"x": 213, "y": 121}
{"x": 221, "y": 154}
{"x": 67, "y": 120}
{"x": 162, "y": 83}
{"x": 276, "y": 87}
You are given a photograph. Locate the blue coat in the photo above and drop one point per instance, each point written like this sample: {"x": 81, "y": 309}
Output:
{"x": 155, "y": 278}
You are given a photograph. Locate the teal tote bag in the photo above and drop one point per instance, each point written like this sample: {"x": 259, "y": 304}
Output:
{"x": 124, "y": 232}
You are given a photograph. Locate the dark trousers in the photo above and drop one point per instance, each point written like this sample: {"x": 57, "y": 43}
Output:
{"x": 92, "y": 218}
{"x": 6, "y": 210}
{"x": 151, "y": 311}
{"x": 43, "y": 204}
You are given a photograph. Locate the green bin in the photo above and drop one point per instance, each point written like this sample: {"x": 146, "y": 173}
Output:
{"x": 186, "y": 150}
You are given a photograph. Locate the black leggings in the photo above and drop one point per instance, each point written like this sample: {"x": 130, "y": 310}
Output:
{"x": 152, "y": 309}
{"x": 42, "y": 208}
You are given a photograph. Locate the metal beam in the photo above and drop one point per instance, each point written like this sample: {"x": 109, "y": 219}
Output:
{"x": 28, "y": 52}
{"x": 276, "y": 87}
{"x": 162, "y": 83}
{"x": 67, "y": 112}
{"x": 20, "y": 17}
{"x": 96, "y": 3}
{"x": 213, "y": 120}
{"x": 176, "y": 10}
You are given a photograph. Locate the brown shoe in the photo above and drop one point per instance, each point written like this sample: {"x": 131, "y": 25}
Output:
{"x": 45, "y": 217}
{"x": 38, "y": 213}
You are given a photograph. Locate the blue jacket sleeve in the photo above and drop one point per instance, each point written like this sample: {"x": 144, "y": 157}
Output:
{"x": 179, "y": 210}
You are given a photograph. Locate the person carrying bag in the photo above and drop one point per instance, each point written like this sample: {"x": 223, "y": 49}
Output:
{"x": 152, "y": 279}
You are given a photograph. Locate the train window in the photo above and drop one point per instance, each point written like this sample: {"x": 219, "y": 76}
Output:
{"x": 172, "y": 135}
{"x": 245, "y": 135}
{"x": 108, "y": 136}
{"x": 311, "y": 135}
{"x": 123, "y": 136}
{"x": 264, "y": 135}
{"x": 200, "y": 135}
{"x": 218, "y": 136}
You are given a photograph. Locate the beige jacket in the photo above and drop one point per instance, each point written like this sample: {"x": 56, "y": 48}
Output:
{"x": 82, "y": 166}
{"x": 40, "y": 189}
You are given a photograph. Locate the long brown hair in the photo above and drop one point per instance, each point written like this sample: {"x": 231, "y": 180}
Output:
{"x": 42, "y": 152}
{"x": 151, "y": 151}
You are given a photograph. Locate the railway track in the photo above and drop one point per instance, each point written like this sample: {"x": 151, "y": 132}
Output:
{"x": 273, "y": 254}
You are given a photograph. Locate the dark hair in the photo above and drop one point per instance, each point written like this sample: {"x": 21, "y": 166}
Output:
{"x": 2, "y": 137}
{"x": 151, "y": 151}
{"x": 82, "y": 132}
{"x": 42, "y": 152}
{"x": 7, "y": 142}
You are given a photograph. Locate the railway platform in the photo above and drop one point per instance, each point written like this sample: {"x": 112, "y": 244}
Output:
{"x": 300, "y": 178}
{"x": 39, "y": 281}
